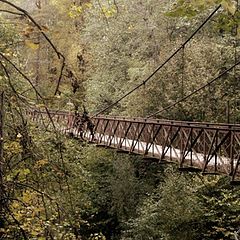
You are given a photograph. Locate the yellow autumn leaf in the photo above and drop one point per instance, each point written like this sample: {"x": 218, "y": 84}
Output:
{"x": 41, "y": 105}
{"x": 25, "y": 171}
{"x": 40, "y": 163}
{"x": 15, "y": 205}
{"x": 229, "y": 6}
{"x": 29, "y": 29}
{"x": 26, "y": 198}
{"x": 13, "y": 148}
{"x": 88, "y": 5}
{"x": 34, "y": 232}
{"x": 32, "y": 45}
{"x": 44, "y": 28}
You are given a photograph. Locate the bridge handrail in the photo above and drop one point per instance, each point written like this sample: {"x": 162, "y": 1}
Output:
{"x": 208, "y": 125}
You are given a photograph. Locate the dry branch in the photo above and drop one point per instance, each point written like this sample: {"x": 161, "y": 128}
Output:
{"x": 59, "y": 54}
{"x": 32, "y": 85}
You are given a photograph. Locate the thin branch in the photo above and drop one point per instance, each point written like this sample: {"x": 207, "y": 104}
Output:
{"x": 59, "y": 79}
{"x": 24, "y": 12}
{"x": 13, "y": 43}
{"x": 11, "y": 12}
{"x": 59, "y": 54}
{"x": 34, "y": 189}
{"x": 116, "y": 6}
{"x": 21, "y": 73}
{"x": 32, "y": 85}
{"x": 1, "y": 148}
{"x": 18, "y": 223}
{"x": 104, "y": 15}
{"x": 22, "y": 98}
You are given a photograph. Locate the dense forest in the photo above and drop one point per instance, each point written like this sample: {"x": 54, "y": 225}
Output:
{"x": 73, "y": 55}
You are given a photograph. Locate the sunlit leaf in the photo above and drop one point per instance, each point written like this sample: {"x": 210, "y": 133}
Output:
{"x": 229, "y": 6}
{"x": 32, "y": 45}
{"x": 44, "y": 28}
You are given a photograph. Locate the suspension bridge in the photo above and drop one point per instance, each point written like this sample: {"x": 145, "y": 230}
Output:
{"x": 209, "y": 148}
{"x": 194, "y": 146}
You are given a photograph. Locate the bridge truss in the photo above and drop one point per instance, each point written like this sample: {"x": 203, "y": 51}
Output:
{"x": 197, "y": 147}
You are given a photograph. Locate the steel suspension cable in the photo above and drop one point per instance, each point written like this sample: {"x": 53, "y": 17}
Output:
{"x": 162, "y": 65}
{"x": 183, "y": 71}
{"x": 195, "y": 91}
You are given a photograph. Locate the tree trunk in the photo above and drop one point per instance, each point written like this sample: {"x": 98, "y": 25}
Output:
{"x": 1, "y": 138}
{"x": 1, "y": 159}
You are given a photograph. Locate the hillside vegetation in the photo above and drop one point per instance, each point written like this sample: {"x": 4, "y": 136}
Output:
{"x": 86, "y": 54}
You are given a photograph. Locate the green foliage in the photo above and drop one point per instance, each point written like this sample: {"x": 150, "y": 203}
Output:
{"x": 59, "y": 188}
{"x": 183, "y": 208}
{"x": 171, "y": 212}
{"x": 186, "y": 8}
{"x": 221, "y": 209}
{"x": 226, "y": 20}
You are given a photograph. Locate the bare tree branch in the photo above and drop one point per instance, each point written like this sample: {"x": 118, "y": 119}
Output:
{"x": 116, "y": 6}
{"x": 24, "y": 12}
{"x": 19, "y": 95}
{"x": 104, "y": 15}
{"x": 34, "y": 189}
{"x": 32, "y": 85}
{"x": 18, "y": 224}
{"x": 11, "y": 12}
{"x": 1, "y": 149}
{"x": 59, "y": 54}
